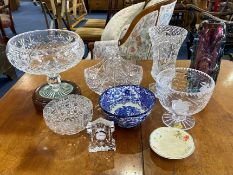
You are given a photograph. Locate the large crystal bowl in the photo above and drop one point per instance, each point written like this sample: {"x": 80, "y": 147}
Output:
{"x": 47, "y": 52}
{"x": 68, "y": 115}
{"x": 127, "y": 105}
{"x": 183, "y": 92}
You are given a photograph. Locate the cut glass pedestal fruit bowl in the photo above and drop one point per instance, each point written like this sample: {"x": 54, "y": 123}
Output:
{"x": 127, "y": 105}
{"x": 183, "y": 92}
{"x": 47, "y": 52}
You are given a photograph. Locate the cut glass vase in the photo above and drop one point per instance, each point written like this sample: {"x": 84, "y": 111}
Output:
{"x": 166, "y": 42}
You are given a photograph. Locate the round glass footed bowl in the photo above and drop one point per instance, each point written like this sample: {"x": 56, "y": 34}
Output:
{"x": 68, "y": 115}
{"x": 183, "y": 92}
{"x": 127, "y": 105}
{"x": 45, "y": 52}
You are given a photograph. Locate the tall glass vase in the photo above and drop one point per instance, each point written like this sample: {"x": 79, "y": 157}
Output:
{"x": 208, "y": 48}
{"x": 166, "y": 42}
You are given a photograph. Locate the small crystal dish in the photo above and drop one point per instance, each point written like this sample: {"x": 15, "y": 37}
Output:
{"x": 171, "y": 143}
{"x": 127, "y": 105}
{"x": 68, "y": 115}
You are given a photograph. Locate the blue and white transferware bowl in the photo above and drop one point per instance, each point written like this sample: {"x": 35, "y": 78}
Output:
{"x": 127, "y": 105}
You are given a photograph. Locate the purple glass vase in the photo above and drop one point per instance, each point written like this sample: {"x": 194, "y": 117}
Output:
{"x": 208, "y": 48}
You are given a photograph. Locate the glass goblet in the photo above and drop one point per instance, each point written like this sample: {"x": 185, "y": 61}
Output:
{"x": 183, "y": 92}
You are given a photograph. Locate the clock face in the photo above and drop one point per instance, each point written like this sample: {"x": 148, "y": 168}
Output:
{"x": 100, "y": 135}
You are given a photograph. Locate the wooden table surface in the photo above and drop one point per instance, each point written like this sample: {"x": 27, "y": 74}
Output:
{"x": 27, "y": 146}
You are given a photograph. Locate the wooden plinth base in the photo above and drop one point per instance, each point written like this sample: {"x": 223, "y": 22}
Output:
{"x": 40, "y": 102}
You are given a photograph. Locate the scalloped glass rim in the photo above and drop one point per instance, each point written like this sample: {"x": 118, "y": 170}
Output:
{"x": 9, "y": 43}
{"x": 186, "y": 93}
{"x": 120, "y": 116}
{"x": 156, "y": 29}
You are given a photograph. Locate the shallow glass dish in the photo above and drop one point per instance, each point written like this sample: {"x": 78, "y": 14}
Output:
{"x": 127, "y": 105}
{"x": 68, "y": 115}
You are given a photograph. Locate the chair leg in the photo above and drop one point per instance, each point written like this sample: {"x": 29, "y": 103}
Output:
{"x": 90, "y": 47}
{"x": 11, "y": 73}
{"x": 13, "y": 29}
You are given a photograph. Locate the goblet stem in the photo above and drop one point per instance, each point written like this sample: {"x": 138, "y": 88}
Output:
{"x": 54, "y": 80}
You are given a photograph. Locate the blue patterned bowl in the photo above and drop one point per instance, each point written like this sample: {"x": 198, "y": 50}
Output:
{"x": 127, "y": 105}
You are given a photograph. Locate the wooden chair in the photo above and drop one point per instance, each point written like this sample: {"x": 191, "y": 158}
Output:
{"x": 135, "y": 43}
{"x": 6, "y": 19}
{"x": 5, "y": 67}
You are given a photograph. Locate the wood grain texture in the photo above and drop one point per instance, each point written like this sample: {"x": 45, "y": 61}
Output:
{"x": 27, "y": 146}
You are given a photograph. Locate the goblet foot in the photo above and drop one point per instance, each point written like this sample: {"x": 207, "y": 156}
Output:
{"x": 44, "y": 94}
{"x": 182, "y": 122}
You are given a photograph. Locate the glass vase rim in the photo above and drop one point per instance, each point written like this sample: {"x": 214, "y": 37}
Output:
{"x": 210, "y": 89}
{"x": 170, "y": 27}
{"x": 123, "y": 116}
{"x": 10, "y": 44}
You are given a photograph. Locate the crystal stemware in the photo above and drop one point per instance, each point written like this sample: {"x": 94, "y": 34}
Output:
{"x": 183, "y": 92}
{"x": 47, "y": 52}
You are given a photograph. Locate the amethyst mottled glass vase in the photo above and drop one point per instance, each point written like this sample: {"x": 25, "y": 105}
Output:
{"x": 208, "y": 48}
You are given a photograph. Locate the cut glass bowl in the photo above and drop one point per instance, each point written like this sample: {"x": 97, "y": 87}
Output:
{"x": 183, "y": 92}
{"x": 47, "y": 52}
{"x": 127, "y": 105}
{"x": 112, "y": 72}
{"x": 68, "y": 115}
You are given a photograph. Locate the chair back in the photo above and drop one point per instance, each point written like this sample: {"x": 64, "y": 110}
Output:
{"x": 135, "y": 43}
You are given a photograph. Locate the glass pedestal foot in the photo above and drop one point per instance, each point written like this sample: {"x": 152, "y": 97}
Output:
{"x": 182, "y": 122}
{"x": 44, "y": 94}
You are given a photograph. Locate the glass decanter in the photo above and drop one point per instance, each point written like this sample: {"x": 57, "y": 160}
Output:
{"x": 47, "y": 52}
{"x": 183, "y": 92}
{"x": 208, "y": 48}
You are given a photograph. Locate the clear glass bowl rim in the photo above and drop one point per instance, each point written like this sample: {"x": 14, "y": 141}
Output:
{"x": 192, "y": 93}
{"x": 123, "y": 116}
{"x": 9, "y": 44}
